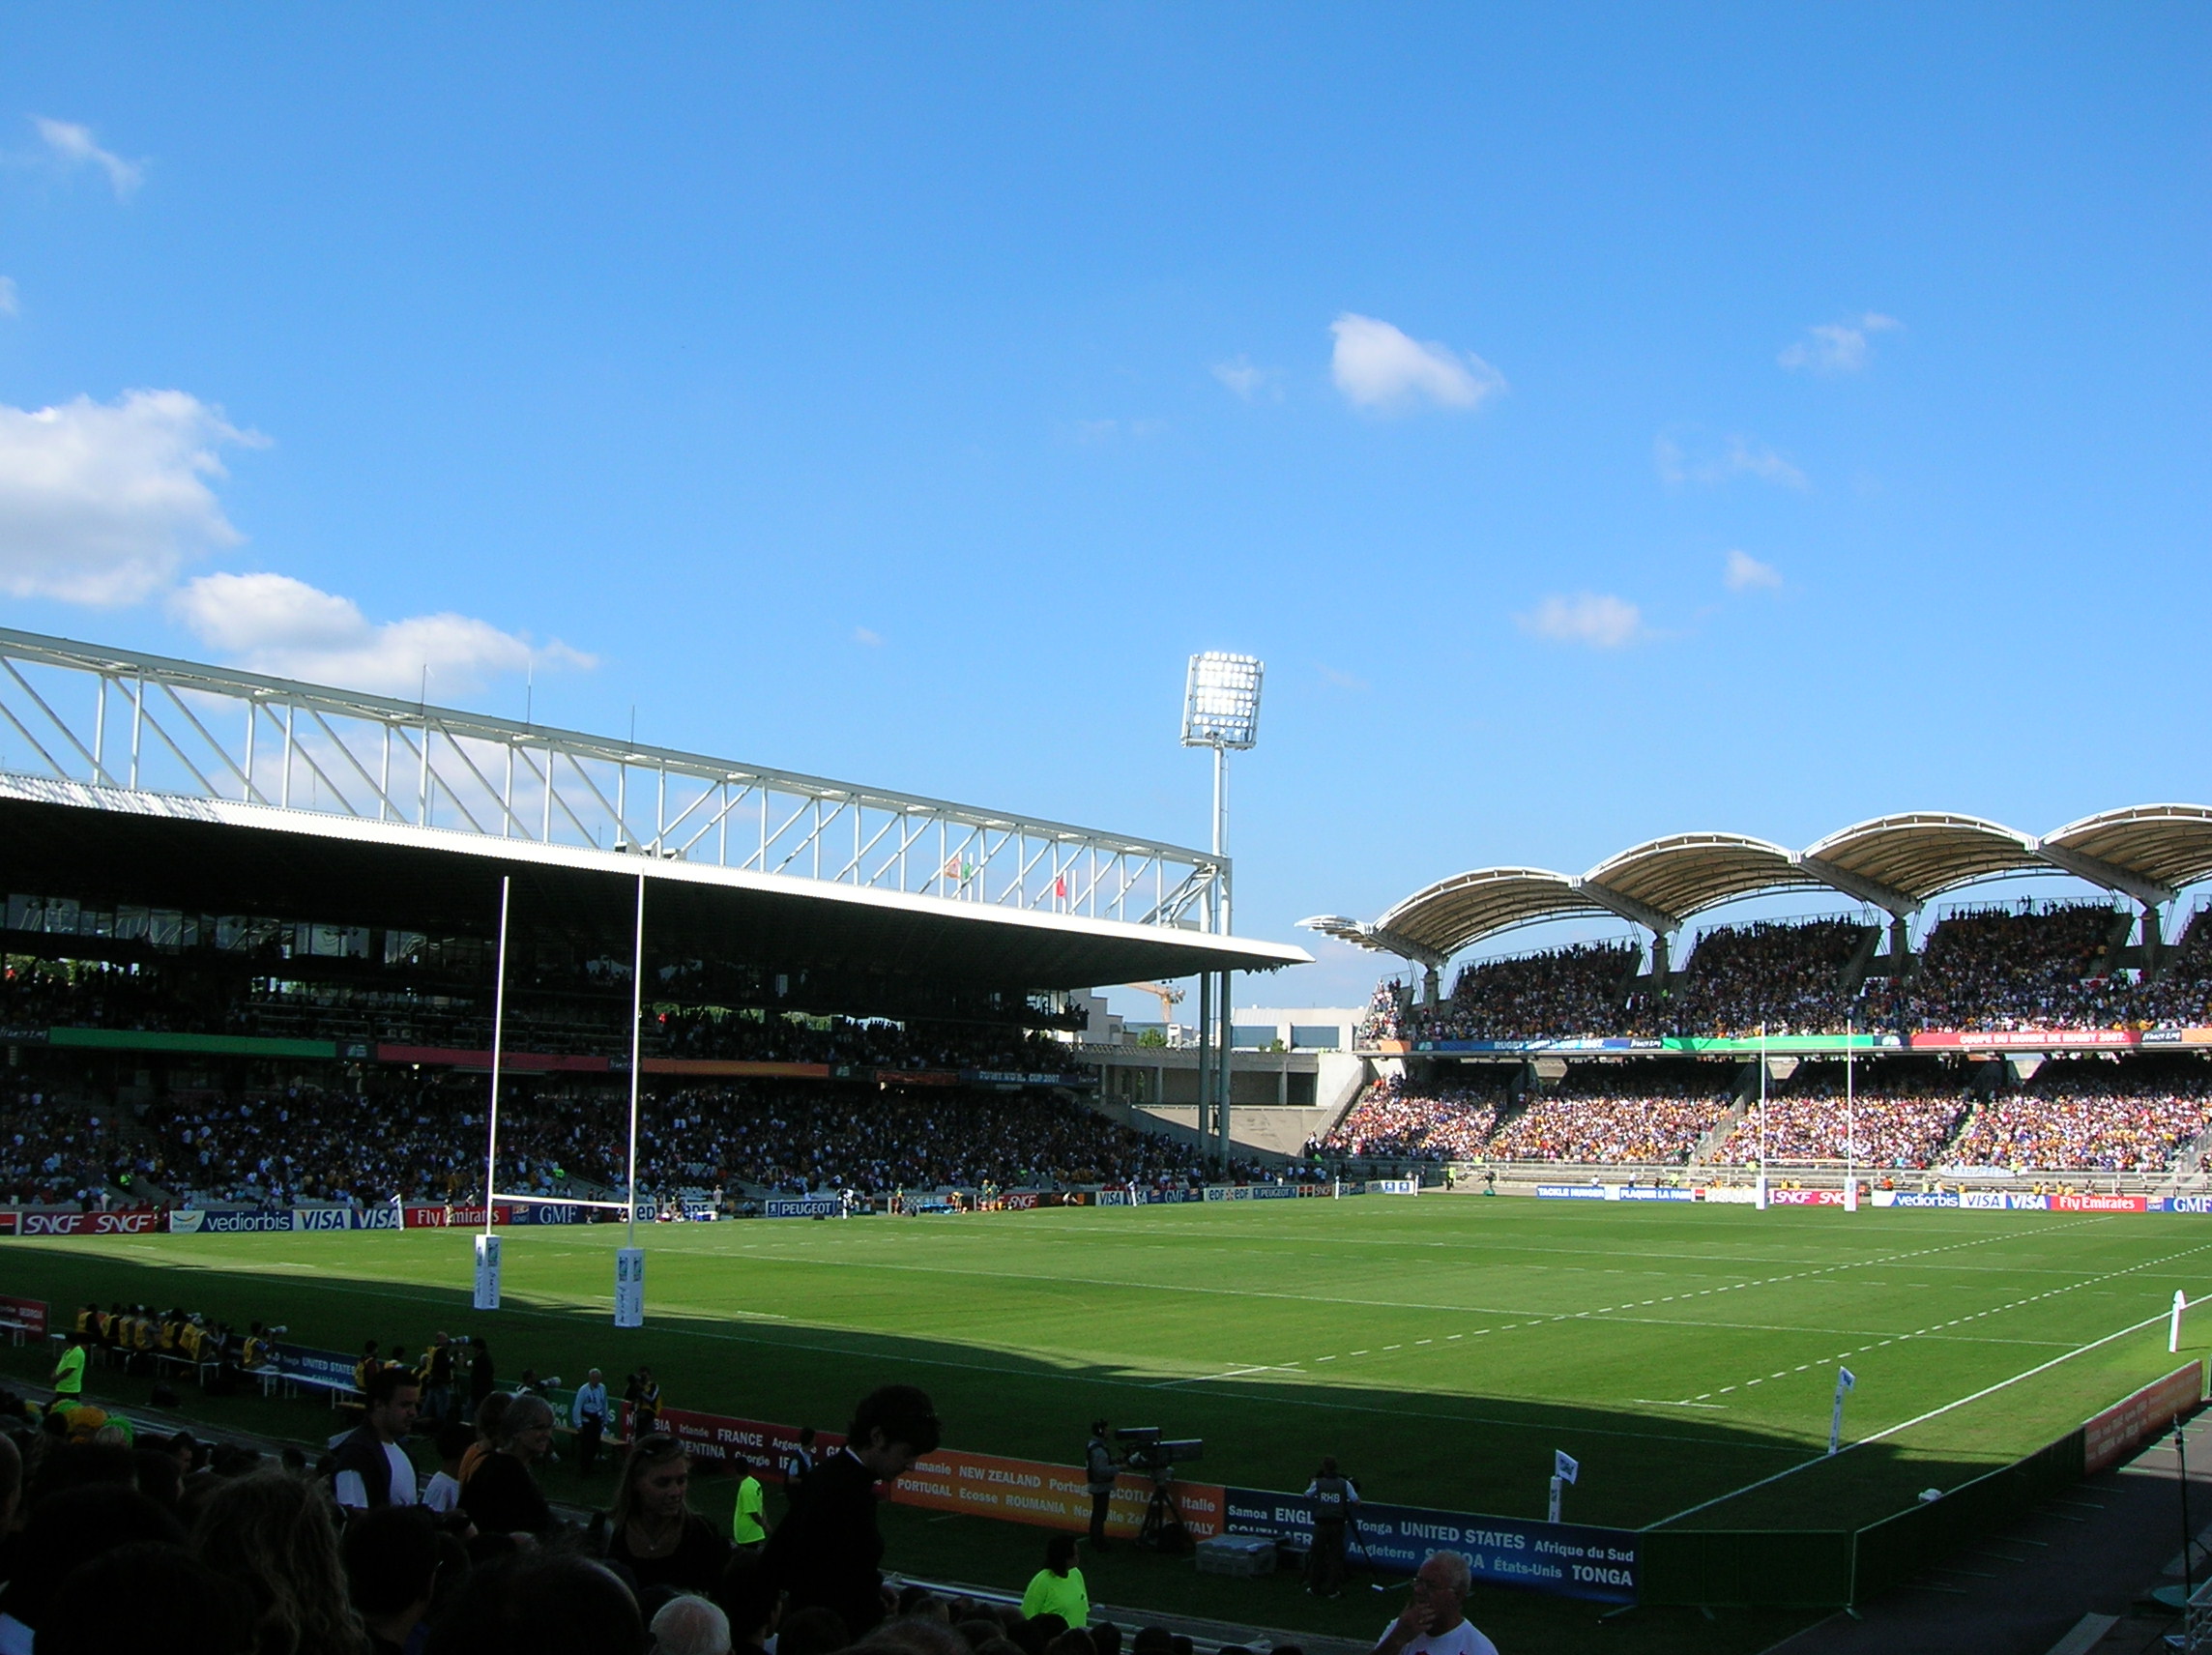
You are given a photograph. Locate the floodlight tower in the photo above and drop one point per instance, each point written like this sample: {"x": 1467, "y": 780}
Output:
{"x": 1221, "y": 711}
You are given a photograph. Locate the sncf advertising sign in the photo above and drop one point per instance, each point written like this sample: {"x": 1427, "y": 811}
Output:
{"x": 128, "y": 1221}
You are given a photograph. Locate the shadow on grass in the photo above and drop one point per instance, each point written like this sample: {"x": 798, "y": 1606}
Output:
{"x": 1454, "y": 1452}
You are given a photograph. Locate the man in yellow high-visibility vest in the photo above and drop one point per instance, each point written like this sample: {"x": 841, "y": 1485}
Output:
{"x": 69, "y": 1371}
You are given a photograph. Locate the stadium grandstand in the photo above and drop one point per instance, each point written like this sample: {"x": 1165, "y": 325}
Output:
{"x": 246, "y": 916}
{"x": 2051, "y": 1035}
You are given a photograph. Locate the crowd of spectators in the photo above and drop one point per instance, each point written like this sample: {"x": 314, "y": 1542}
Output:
{"x": 426, "y": 1138}
{"x": 1563, "y": 992}
{"x": 50, "y": 1154}
{"x": 2027, "y": 966}
{"x": 1395, "y": 1121}
{"x": 1385, "y": 1017}
{"x": 1600, "y": 1114}
{"x": 37, "y": 993}
{"x": 2087, "y": 1114}
{"x": 2030, "y": 967}
{"x": 1784, "y": 976}
{"x": 1905, "y": 1129}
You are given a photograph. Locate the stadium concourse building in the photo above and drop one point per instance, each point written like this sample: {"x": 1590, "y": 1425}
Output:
{"x": 342, "y": 857}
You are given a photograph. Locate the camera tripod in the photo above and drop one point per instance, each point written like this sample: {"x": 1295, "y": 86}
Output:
{"x": 1163, "y": 1531}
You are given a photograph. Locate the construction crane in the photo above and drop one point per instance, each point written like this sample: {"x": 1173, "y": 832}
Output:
{"x": 1169, "y": 997}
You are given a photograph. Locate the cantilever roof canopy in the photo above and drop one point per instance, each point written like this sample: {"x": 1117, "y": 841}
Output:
{"x": 1896, "y": 862}
{"x": 1924, "y": 852}
{"x": 2168, "y": 843}
{"x": 218, "y": 857}
{"x": 1449, "y": 915}
{"x": 1687, "y": 873}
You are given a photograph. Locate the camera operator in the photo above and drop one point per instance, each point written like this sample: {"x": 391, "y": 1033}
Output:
{"x": 1336, "y": 1503}
{"x": 1098, "y": 1478}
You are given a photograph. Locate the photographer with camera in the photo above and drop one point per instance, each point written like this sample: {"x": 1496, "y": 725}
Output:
{"x": 1336, "y": 1505}
{"x": 1098, "y": 1477}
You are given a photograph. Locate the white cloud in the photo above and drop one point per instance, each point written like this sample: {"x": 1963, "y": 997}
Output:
{"x": 73, "y": 146}
{"x": 1381, "y": 370}
{"x": 274, "y": 623}
{"x": 1837, "y": 347}
{"x": 1597, "y": 620}
{"x": 9, "y": 303}
{"x": 1250, "y": 383}
{"x": 1746, "y": 574}
{"x": 1338, "y": 679}
{"x": 102, "y": 501}
{"x": 1739, "y": 457}
{"x": 871, "y": 639}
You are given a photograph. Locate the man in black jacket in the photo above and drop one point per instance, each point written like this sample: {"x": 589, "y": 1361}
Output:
{"x": 826, "y": 1550}
{"x": 371, "y": 1470}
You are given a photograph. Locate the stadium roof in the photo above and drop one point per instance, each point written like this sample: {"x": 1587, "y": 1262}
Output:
{"x": 1897, "y": 863}
{"x": 146, "y": 778}
{"x": 220, "y": 858}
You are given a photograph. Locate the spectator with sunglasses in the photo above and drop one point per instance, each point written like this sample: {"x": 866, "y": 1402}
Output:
{"x": 826, "y": 1550}
{"x": 653, "y": 1530}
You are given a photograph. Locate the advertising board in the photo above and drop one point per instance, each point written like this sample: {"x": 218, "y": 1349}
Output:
{"x": 197, "y": 1222}
{"x": 1047, "y": 1495}
{"x": 1656, "y": 1192}
{"x": 1564, "y": 1559}
{"x": 125, "y": 1221}
{"x": 808, "y": 1207}
{"x": 2108, "y": 1437}
{"x": 24, "y": 1316}
{"x": 2099, "y": 1203}
{"x": 1571, "y": 1192}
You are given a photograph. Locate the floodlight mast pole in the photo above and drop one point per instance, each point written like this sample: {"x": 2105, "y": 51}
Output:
{"x": 1221, "y": 911}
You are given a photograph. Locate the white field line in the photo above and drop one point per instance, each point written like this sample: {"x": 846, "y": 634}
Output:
{"x": 1907, "y": 1425}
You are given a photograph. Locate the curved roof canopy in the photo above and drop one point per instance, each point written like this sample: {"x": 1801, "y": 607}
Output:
{"x": 1686, "y": 873}
{"x": 1449, "y": 915}
{"x": 1924, "y": 853}
{"x": 1895, "y": 862}
{"x": 2170, "y": 843}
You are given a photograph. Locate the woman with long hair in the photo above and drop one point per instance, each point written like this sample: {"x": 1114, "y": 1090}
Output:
{"x": 652, "y": 1529}
{"x": 277, "y": 1535}
{"x": 501, "y": 1495}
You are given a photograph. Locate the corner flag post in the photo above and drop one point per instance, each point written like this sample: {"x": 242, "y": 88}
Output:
{"x": 1846, "y": 1380}
{"x": 1564, "y": 1470}
{"x": 2173, "y": 1327}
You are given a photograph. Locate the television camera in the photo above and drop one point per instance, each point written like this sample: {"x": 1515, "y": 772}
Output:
{"x": 1146, "y": 1451}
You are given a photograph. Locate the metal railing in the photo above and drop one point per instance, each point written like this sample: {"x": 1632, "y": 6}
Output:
{"x": 116, "y": 721}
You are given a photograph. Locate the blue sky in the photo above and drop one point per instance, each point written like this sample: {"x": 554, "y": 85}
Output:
{"x": 1605, "y": 422}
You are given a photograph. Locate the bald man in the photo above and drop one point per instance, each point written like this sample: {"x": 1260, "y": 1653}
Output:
{"x": 1433, "y": 1624}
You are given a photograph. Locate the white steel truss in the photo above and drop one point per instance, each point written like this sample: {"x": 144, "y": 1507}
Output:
{"x": 116, "y": 718}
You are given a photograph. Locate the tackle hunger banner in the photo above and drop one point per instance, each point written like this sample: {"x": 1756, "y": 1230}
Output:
{"x": 1562, "y": 1558}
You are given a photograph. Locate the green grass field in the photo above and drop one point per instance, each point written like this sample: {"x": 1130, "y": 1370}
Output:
{"x": 1442, "y": 1349}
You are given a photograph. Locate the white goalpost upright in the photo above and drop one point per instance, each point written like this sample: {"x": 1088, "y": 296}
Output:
{"x": 2173, "y": 1325}
{"x": 1758, "y": 1197}
{"x": 630, "y": 1257}
{"x": 487, "y": 1244}
{"x": 1851, "y": 1121}
{"x": 629, "y": 1260}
